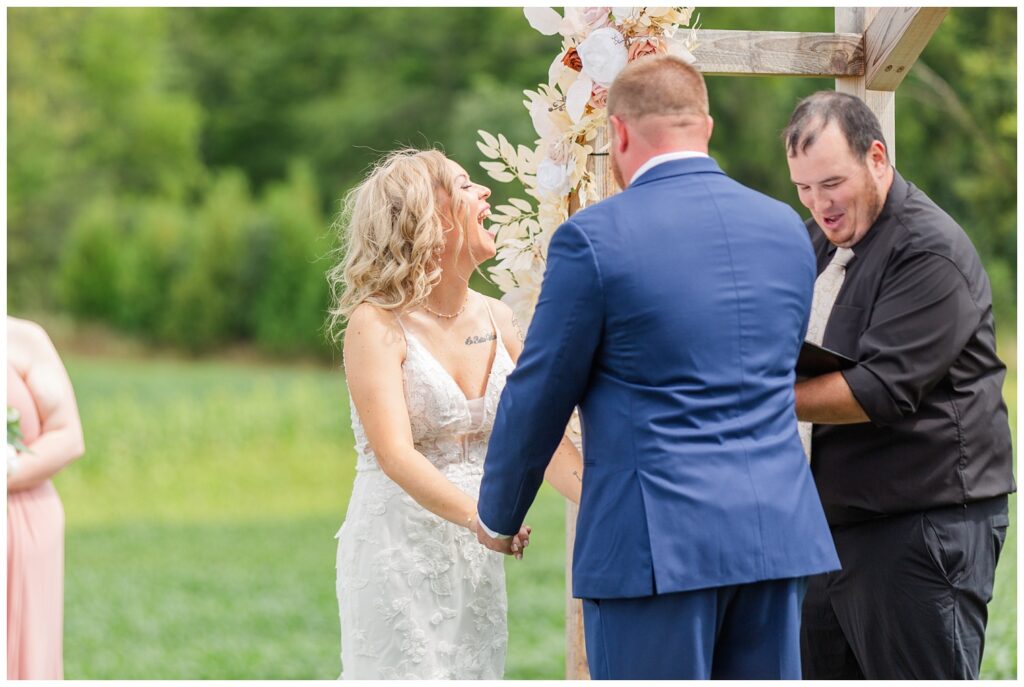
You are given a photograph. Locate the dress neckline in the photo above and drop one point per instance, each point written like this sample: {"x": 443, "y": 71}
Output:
{"x": 498, "y": 347}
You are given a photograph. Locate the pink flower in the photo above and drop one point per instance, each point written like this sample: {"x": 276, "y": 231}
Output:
{"x": 598, "y": 97}
{"x": 595, "y": 17}
{"x": 559, "y": 152}
{"x": 641, "y": 46}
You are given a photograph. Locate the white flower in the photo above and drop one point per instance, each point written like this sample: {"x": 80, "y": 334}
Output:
{"x": 625, "y": 13}
{"x": 556, "y": 69}
{"x": 604, "y": 55}
{"x": 572, "y": 21}
{"x": 677, "y": 47}
{"x": 540, "y": 115}
{"x": 442, "y": 615}
{"x": 578, "y": 96}
{"x": 553, "y": 178}
{"x": 523, "y": 301}
{"x": 543, "y": 19}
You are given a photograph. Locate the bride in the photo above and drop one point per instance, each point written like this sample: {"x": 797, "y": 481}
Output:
{"x": 426, "y": 360}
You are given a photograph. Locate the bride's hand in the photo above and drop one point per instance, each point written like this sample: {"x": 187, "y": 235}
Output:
{"x": 509, "y": 547}
{"x": 521, "y": 541}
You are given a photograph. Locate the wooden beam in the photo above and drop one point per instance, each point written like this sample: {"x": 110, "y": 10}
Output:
{"x": 779, "y": 53}
{"x": 894, "y": 40}
{"x": 882, "y": 103}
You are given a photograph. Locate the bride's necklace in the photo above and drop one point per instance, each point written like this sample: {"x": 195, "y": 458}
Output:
{"x": 443, "y": 315}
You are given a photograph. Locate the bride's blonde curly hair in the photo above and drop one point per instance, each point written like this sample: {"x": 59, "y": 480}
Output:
{"x": 391, "y": 232}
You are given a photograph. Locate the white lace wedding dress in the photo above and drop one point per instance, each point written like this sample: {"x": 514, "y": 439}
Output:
{"x": 418, "y": 596}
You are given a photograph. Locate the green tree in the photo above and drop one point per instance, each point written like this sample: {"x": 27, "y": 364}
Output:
{"x": 956, "y": 123}
{"x": 287, "y": 265}
{"x": 208, "y": 303}
{"x": 143, "y": 111}
{"x": 92, "y": 110}
{"x": 154, "y": 254}
{"x": 92, "y": 260}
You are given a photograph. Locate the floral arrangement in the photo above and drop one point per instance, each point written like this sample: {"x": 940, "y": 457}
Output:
{"x": 15, "y": 439}
{"x": 567, "y": 113}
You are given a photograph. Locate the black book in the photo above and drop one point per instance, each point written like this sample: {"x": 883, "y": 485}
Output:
{"x": 815, "y": 361}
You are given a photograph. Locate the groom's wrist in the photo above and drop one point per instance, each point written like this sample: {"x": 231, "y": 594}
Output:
{"x": 491, "y": 533}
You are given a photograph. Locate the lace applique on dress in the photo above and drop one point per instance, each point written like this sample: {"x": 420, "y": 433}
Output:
{"x": 418, "y": 596}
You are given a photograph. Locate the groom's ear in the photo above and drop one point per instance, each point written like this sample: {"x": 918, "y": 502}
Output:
{"x": 711, "y": 126}
{"x": 621, "y": 140}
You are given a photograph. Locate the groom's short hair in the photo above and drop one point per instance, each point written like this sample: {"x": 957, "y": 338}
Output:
{"x": 658, "y": 85}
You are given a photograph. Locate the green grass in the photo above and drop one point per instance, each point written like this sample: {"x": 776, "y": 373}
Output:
{"x": 201, "y": 522}
{"x": 1000, "y": 659}
{"x": 202, "y": 600}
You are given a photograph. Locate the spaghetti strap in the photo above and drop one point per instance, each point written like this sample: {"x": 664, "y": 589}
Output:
{"x": 497, "y": 332}
{"x": 405, "y": 332}
{"x": 398, "y": 318}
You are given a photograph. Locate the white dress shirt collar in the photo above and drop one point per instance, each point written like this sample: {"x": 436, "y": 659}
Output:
{"x": 666, "y": 157}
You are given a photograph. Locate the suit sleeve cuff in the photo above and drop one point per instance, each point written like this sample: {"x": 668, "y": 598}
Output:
{"x": 491, "y": 533}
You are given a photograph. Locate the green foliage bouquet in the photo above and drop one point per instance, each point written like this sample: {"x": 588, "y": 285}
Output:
{"x": 15, "y": 443}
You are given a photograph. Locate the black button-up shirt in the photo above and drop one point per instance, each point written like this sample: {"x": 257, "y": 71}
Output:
{"x": 915, "y": 312}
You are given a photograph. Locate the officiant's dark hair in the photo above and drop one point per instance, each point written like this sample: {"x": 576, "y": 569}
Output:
{"x": 858, "y": 123}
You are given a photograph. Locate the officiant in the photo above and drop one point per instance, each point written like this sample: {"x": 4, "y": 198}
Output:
{"x": 910, "y": 447}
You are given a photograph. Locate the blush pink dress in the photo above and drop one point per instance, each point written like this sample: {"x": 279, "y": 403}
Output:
{"x": 35, "y": 563}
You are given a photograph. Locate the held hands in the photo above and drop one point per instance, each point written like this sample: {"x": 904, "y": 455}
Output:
{"x": 520, "y": 541}
{"x": 510, "y": 547}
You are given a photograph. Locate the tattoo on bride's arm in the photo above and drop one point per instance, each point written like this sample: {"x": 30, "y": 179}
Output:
{"x": 483, "y": 338}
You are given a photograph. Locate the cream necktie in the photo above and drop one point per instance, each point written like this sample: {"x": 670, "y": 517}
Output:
{"x": 826, "y": 288}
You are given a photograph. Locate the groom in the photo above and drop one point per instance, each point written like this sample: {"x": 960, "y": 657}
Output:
{"x": 672, "y": 314}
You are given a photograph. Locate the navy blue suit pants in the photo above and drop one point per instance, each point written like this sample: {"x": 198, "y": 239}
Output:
{"x": 737, "y": 632}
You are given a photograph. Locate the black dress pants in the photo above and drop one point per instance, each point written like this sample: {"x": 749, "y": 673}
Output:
{"x": 911, "y": 599}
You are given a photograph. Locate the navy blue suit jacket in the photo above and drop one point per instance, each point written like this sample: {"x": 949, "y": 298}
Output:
{"x": 672, "y": 314}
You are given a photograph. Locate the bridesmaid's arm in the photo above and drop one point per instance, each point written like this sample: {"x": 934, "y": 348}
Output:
{"x": 565, "y": 471}
{"x": 60, "y": 440}
{"x": 374, "y": 351}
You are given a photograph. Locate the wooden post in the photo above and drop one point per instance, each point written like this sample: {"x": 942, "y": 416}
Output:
{"x": 882, "y": 103}
{"x": 575, "y": 648}
{"x": 599, "y": 167}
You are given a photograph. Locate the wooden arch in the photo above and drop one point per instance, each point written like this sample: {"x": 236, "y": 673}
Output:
{"x": 869, "y": 55}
